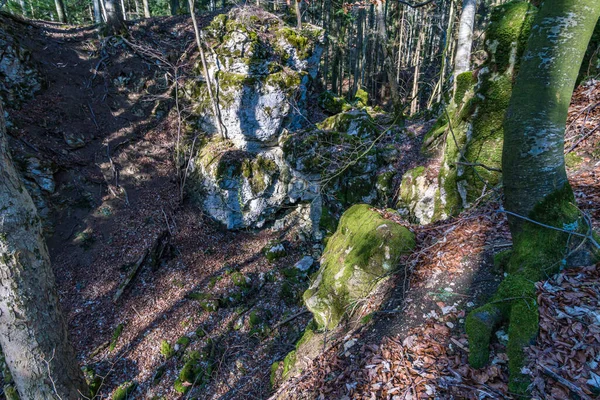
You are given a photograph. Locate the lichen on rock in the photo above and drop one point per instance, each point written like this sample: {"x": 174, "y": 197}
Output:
{"x": 259, "y": 68}
{"x": 364, "y": 249}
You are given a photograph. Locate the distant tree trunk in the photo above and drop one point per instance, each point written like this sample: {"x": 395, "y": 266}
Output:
{"x": 23, "y": 7}
{"x": 414, "y": 104}
{"x": 33, "y": 332}
{"x": 462, "y": 61}
{"x": 215, "y": 104}
{"x": 299, "y": 14}
{"x": 138, "y": 12}
{"x": 97, "y": 11}
{"x": 123, "y": 10}
{"x": 387, "y": 58}
{"x": 174, "y": 4}
{"x": 114, "y": 17}
{"x": 147, "y": 8}
{"x": 60, "y": 11}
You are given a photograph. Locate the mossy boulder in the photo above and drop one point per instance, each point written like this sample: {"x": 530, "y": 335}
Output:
{"x": 364, "y": 249}
{"x": 20, "y": 78}
{"x": 239, "y": 188}
{"x": 333, "y": 104}
{"x": 124, "y": 391}
{"x": 418, "y": 196}
{"x": 258, "y": 66}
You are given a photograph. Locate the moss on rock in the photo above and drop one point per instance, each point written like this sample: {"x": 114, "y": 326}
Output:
{"x": 364, "y": 249}
{"x": 125, "y": 391}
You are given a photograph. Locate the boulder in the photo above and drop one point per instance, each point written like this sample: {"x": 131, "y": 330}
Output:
{"x": 19, "y": 76}
{"x": 260, "y": 68}
{"x": 364, "y": 250}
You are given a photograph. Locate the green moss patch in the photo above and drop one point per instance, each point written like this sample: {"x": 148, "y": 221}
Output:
{"x": 364, "y": 249}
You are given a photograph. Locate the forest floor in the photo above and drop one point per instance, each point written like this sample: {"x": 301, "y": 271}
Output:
{"x": 107, "y": 121}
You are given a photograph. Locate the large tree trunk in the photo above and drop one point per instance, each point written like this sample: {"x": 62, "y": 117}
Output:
{"x": 33, "y": 333}
{"x": 547, "y": 228}
{"x": 60, "y": 11}
{"x": 462, "y": 61}
{"x": 114, "y": 16}
{"x": 533, "y": 161}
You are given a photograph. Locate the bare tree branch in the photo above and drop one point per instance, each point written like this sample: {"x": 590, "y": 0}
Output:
{"x": 417, "y": 5}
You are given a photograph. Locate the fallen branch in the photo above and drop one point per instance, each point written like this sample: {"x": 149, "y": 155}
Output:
{"x": 291, "y": 318}
{"x": 151, "y": 255}
{"x": 130, "y": 275}
{"x": 571, "y": 386}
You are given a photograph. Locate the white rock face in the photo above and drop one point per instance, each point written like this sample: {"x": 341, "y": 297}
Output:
{"x": 260, "y": 69}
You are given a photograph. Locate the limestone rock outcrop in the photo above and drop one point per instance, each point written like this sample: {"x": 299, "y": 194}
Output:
{"x": 364, "y": 249}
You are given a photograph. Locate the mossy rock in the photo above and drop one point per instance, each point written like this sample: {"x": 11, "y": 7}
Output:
{"x": 115, "y": 337}
{"x": 274, "y": 250}
{"x": 364, "y": 249}
{"x": 332, "y": 104}
{"x": 510, "y": 24}
{"x": 10, "y": 392}
{"x": 166, "y": 349}
{"x": 361, "y": 98}
{"x": 125, "y": 391}
{"x": 354, "y": 123}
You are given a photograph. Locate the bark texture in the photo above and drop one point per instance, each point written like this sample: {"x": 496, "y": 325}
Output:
{"x": 535, "y": 182}
{"x": 533, "y": 162}
{"x": 33, "y": 333}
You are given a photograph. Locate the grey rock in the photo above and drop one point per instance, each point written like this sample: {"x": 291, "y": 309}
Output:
{"x": 305, "y": 263}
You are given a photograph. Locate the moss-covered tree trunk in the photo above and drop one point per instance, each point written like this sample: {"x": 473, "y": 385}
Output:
{"x": 33, "y": 333}
{"x": 535, "y": 181}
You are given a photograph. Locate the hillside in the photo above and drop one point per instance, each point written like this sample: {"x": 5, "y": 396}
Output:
{"x": 194, "y": 265}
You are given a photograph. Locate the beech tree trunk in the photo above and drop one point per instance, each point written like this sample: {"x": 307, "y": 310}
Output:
{"x": 114, "y": 16}
{"x": 97, "y": 11}
{"x": 462, "y": 61}
{"x": 147, "y": 13}
{"x": 533, "y": 156}
{"x": 33, "y": 332}
{"x": 387, "y": 58}
{"x": 60, "y": 11}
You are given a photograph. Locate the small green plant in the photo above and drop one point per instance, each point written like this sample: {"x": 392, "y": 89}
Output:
{"x": 124, "y": 391}
{"x": 115, "y": 337}
{"x": 166, "y": 349}
{"x": 85, "y": 239}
